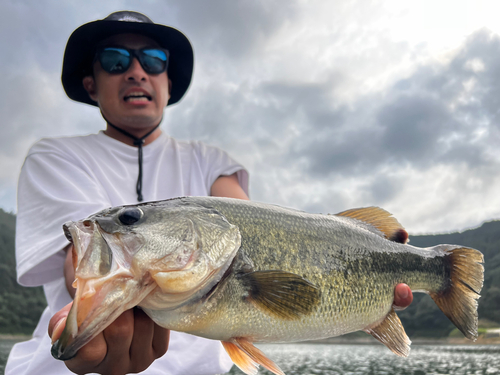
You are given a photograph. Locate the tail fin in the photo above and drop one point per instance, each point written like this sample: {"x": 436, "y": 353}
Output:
{"x": 459, "y": 300}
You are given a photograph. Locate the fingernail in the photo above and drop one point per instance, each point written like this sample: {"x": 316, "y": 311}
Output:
{"x": 58, "y": 328}
{"x": 403, "y": 293}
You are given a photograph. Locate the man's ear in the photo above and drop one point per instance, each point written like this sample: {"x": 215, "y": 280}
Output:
{"x": 169, "y": 88}
{"x": 90, "y": 87}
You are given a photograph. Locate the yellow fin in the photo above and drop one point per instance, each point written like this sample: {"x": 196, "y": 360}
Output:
{"x": 391, "y": 333}
{"x": 247, "y": 357}
{"x": 381, "y": 220}
{"x": 459, "y": 300}
{"x": 282, "y": 294}
{"x": 240, "y": 358}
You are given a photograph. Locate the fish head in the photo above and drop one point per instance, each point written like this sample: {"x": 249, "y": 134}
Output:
{"x": 161, "y": 255}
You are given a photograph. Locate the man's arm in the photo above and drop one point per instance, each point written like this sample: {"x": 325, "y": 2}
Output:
{"x": 229, "y": 187}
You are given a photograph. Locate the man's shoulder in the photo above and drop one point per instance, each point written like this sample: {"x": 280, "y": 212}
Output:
{"x": 62, "y": 145}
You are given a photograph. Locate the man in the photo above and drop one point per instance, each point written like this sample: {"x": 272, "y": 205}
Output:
{"x": 131, "y": 69}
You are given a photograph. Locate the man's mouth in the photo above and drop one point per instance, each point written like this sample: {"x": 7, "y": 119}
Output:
{"x": 137, "y": 97}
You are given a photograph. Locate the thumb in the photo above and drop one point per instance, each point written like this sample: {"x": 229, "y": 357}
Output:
{"x": 58, "y": 322}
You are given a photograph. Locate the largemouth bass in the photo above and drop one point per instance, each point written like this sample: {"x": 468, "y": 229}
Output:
{"x": 243, "y": 272}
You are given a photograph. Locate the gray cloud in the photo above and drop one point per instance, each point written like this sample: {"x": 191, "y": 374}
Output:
{"x": 233, "y": 28}
{"x": 426, "y": 119}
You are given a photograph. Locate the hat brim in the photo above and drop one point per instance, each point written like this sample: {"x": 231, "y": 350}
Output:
{"x": 80, "y": 51}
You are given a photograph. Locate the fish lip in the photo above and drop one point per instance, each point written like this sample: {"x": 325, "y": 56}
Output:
{"x": 67, "y": 232}
{"x": 67, "y": 346}
{"x": 80, "y": 329}
{"x": 59, "y": 353}
{"x": 69, "y": 343}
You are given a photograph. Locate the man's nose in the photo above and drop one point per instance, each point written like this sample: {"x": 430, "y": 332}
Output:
{"x": 135, "y": 71}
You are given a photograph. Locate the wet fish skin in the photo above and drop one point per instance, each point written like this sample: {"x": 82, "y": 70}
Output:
{"x": 296, "y": 276}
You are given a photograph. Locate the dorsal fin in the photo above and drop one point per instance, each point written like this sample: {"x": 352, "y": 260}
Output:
{"x": 381, "y": 220}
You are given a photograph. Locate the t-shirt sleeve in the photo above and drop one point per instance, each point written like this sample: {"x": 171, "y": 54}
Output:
{"x": 215, "y": 162}
{"x": 52, "y": 190}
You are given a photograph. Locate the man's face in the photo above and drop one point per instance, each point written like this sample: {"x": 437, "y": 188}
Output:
{"x": 133, "y": 99}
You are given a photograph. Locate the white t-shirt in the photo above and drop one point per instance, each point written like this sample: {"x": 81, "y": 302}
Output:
{"x": 67, "y": 179}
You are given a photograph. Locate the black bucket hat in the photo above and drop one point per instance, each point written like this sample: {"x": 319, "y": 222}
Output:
{"x": 81, "y": 48}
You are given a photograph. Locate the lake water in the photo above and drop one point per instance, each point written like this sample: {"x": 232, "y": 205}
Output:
{"x": 5, "y": 346}
{"x": 321, "y": 359}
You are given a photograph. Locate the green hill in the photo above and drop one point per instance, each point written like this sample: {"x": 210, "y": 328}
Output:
{"x": 20, "y": 308}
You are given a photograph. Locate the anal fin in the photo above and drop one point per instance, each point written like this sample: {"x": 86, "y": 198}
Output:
{"x": 391, "y": 333}
{"x": 248, "y": 358}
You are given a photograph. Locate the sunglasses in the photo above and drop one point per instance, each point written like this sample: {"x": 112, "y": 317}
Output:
{"x": 117, "y": 60}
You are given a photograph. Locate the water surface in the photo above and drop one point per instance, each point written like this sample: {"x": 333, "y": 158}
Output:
{"x": 329, "y": 359}
{"x": 5, "y": 346}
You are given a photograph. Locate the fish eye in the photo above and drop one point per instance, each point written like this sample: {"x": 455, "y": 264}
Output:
{"x": 130, "y": 215}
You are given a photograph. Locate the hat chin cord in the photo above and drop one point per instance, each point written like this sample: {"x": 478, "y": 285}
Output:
{"x": 139, "y": 142}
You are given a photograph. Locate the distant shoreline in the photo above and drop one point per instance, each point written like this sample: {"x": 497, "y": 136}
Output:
{"x": 349, "y": 341}
{"x": 19, "y": 337}
{"x": 415, "y": 341}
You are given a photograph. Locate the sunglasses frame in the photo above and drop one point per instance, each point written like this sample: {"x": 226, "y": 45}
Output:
{"x": 137, "y": 53}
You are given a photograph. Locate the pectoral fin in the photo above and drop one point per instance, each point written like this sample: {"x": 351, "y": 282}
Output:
{"x": 282, "y": 294}
{"x": 391, "y": 333}
{"x": 248, "y": 358}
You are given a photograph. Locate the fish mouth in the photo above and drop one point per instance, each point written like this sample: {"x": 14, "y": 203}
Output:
{"x": 105, "y": 287}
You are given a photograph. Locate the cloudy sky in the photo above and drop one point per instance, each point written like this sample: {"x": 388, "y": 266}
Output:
{"x": 329, "y": 104}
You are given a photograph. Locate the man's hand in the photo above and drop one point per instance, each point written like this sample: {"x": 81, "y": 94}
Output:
{"x": 402, "y": 297}
{"x": 129, "y": 345}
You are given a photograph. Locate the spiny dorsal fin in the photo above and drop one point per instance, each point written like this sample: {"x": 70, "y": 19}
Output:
{"x": 247, "y": 357}
{"x": 391, "y": 333}
{"x": 380, "y": 219}
{"x": 282, "y": 294}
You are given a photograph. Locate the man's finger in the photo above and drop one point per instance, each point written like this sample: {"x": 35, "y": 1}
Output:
{"x": 58, "y": 322}
{"x": 141, "y": 349}
{"x": 161, "y": 339}
{"x": 403, "y": 297}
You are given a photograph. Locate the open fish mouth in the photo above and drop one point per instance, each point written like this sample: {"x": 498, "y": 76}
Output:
{"x": 105, "y": 286}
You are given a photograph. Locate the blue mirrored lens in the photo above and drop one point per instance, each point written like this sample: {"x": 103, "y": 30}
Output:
{"x": 115, "y": 60}
{"x": 153, "y": 61}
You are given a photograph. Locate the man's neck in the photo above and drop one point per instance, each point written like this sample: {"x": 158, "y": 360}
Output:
{"x": 138, "y": 133}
